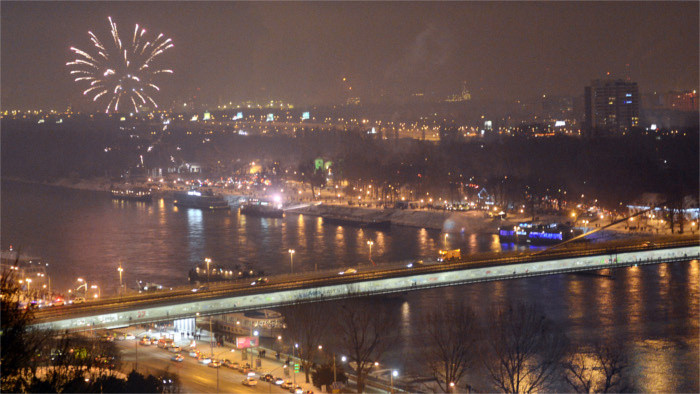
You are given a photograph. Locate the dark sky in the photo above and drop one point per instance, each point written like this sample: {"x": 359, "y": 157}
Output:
{"x": 300, "y": 52}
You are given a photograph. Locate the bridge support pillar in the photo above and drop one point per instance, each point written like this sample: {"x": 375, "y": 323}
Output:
{"x": 184, "y": 328}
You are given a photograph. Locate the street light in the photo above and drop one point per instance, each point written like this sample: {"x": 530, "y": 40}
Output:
{"x": 207, "y": 260}
{"x": 120, "y": 269}
{"x": 394, "y": 374}
{"x": 291, "y": 258}
{"x": 370, "y": 243}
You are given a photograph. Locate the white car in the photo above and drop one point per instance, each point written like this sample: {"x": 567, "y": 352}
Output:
{"x": 250, "y": 381}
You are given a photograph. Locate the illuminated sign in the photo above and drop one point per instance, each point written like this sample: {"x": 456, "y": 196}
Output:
{"x": 246, "y": 342}
{"x": 270, "y": 118}
{"x": 544, "y": 235}
{"x": 238, "y": 116}
{"x": 488, "y": 125}
{"x": 560, "y": 123}
{"x": 304, "y": 115}
{"x": 653, "y": 126}
{"x": 207, "y": 116}
{"x": 194, "y": 118}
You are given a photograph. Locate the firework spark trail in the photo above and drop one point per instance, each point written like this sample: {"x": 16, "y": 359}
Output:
{"x": 120, "y": 74}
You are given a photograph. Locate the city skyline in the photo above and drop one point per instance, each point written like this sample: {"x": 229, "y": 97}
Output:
{"x": 300, "y": 52}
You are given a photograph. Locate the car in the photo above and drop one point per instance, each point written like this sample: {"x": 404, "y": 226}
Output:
{"x": 278, "y": 381}
{"x": 204, "y": 360}
{"x": 267, "y": 377}
{"x": 259, "y": 281}
{"x": 177, "y": 358}
{"x": 249, "y": 381}
{"x": 194, "y": 354}
{"x": 200, "y": 288}
{"x": 245, "y": 368}
{"x": 233, "y": 365}
{"x": 415, "y": 264}
{"x": 214, "y": 364}
{"x": 145, "y": 342}
{"x": 79, "y": 300}
{"x": 129, "y": 336}
{"x": 296, "y": 390}
{"x": 287, "y": 384}
{"x": 174, "y": 349}
{"x": 348, "y": 271}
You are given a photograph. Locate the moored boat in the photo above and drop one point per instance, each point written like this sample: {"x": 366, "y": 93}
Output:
{"x": 131, "y": 194}
{"x": 200, "y": 199}
{"x": 262, "y": 208}
{"x": 537, "y": 233}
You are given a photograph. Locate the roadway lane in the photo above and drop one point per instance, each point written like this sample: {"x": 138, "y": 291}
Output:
{"x": 330, "y": 277}
{"x": 194, "y": 377}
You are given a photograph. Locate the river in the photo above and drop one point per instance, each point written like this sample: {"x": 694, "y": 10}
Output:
{"x": 653, "y": 310}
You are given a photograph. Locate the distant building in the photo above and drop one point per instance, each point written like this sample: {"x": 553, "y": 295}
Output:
{"x": 463, "y": 96}
{"x": 610, "y": 106}
{"x": 682, "y": 101}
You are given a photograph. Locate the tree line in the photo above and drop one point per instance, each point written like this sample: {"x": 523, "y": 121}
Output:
{"x": 515, "y": 169}
{"x": 43, "y": 361}
{"x": 517, "y": 349}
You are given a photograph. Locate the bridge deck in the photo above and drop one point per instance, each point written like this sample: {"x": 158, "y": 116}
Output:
{"x": 220, "y": 298}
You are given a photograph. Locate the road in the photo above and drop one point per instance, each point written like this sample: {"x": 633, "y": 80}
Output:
{"x": 219, "y": 290}
{"x": 194, "y": 377}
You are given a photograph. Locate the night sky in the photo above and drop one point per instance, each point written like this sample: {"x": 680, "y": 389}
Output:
{"x": 299, "y": 52}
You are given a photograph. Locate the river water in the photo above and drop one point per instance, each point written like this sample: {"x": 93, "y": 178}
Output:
{"x": 652, "y": 310}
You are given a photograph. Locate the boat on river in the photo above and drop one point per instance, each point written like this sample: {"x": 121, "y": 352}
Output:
{"x": 529, "y": 233}
{"x": 200, "y": 199}
{"x": 262, "y": 208}
{"x": 131, "y": 193}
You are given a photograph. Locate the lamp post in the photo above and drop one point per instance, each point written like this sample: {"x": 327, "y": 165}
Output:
{"x": 99, "y": 293}
{"x": 29, "y": 282}
{"x": 446, "y": 234}
{"x": 291, "y": 258}
{"x": 294, "y": 374}
{"x": 208, "y": 261}
{"x": 120, "y": 269}
{"x": 370, "y": 243}
{"x": 394, "y": 374}
{"x": 211, "y": 345}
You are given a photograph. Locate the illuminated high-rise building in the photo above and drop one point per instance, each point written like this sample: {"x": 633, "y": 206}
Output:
{"x": 611, "y": 106}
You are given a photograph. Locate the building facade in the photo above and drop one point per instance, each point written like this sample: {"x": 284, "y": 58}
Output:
{"x": 611, "y": 107}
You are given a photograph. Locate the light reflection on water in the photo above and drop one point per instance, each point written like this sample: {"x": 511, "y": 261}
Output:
{"x": 651, "y": 310}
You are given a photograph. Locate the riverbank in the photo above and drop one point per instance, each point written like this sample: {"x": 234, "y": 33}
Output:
{"x": 446, "y": 221}
{"x": 94, "y": 184}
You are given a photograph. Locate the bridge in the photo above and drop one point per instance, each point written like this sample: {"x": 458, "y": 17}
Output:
{"x": 218, "y": 298}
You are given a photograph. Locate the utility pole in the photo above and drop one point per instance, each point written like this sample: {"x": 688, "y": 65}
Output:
{"x": 334, "y": 373}
{"x": 211, "y": 345}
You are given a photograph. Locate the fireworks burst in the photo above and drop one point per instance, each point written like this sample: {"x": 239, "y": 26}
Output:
{"x": 121, "y": 73}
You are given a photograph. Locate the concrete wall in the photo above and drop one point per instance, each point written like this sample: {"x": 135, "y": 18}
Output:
{"x": 372, "y": 287}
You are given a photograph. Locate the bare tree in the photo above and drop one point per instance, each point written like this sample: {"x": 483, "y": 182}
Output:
{"x": 20, "y": 343}
{"x": 365, "y": 333}
{"x": 603, "y": 370}
{"x": 450, "y": 343}
{"x": 525, "y": 350}
{"x": 306, "y": 327}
